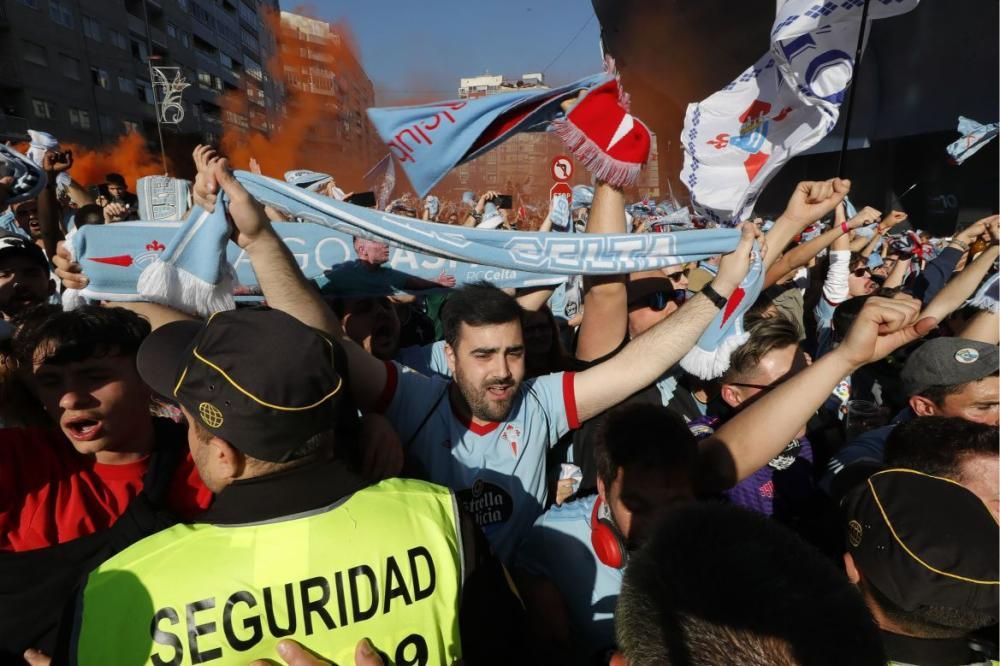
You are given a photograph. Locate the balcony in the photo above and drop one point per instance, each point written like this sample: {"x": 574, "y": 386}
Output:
{"x": 13, "y": 128}
{"x": 136, "y": 25}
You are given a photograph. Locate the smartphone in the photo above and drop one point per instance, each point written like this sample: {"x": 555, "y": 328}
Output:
{"x": 504, "y": 201}
{"x": 366, "y": 199}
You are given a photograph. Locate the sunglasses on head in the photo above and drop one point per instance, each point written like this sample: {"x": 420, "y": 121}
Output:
{"x": 656, "y": 300}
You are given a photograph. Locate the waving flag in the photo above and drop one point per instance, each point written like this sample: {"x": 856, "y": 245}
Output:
{"x": 430, "y": 140}
{"x": 974, "y": 136}
{"x": 736, "y": 140}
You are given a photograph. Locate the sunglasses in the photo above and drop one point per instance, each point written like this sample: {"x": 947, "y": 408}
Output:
{"x": 656, "y": 301}
{"x": 861, "y": 272}
{"x": 676, "y": 275}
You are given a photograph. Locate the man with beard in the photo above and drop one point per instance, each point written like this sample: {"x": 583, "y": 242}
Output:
{"x": 486, "y": 433}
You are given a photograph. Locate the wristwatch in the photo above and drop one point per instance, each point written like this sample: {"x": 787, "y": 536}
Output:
{"x": 714, "y": 296}
{"x": 960, "y": 243}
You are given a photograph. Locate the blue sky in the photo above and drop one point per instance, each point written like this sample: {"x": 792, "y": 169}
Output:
{"x": 420, "y": 49}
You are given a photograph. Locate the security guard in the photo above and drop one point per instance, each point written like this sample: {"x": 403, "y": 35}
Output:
{"x": 295, "y": 545}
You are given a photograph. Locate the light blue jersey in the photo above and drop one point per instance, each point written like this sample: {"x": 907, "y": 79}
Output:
{"x": 496, "y": 470}
{"x": 558, "y": 548}
{"x": 428, "y": 360}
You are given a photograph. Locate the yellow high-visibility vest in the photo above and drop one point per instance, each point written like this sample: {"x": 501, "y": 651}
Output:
{"x": 385, "y": 563}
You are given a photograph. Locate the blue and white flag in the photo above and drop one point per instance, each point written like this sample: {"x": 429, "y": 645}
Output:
{"x": 974, "y": 137}
{"x": 736, "y": 140}
{"x": 431, "y": 139}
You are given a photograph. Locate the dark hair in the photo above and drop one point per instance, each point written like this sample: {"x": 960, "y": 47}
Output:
{"x": 719, "y": 584}
{"x": 765, "y": 336}
{"x": 89, "y": 214}
{"x": 929, "y": 621}
{"x": 643, "y": 434}
{"x": 115, "y": 179}
{"x": 477, "y": 304}
{"x": 937, "y": 444}
{"x": 77, "y": 335}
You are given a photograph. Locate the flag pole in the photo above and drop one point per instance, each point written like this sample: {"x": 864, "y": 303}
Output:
{"x": 850, "y": 89}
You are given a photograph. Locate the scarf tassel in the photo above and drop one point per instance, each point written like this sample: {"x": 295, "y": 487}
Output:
{"x": 168, "y": 284}
{"x": 709, "y": 363}
{"x": 596, "y": 161}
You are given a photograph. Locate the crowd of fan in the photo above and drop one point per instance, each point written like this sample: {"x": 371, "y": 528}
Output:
{"x": 832, "y": 498}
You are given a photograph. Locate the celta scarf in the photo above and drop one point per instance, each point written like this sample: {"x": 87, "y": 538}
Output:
{"x": 162, "y": 198}
{"x": 432, "y": 139}
{"x": 736, "y": 140}
{"x": 512, "y": 259}
{"x": 974, "y": 137}
{"x": 988, "y": 295}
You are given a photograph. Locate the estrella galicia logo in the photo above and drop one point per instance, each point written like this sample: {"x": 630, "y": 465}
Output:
{"x": 487, "y": 503}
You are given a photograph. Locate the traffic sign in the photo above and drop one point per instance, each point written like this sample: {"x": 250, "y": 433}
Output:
{"x": 564, "y": 189}
{"x": 562, "y": 168}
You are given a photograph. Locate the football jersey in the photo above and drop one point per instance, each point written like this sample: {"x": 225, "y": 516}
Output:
{"x": 352, "y": 278}
{"x": 428, "y": 360}
{"x": 558, "y": 548}
{"x": 497, "y": 470}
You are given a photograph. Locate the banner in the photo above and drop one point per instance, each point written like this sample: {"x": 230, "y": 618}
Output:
{"x": 736, "y": 140}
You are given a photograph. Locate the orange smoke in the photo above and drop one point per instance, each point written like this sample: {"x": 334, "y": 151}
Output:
{"x": 307, "y": 136}
{"x": 130, "y": 156}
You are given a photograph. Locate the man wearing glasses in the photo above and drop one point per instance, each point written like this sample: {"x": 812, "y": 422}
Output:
{"x": 784, "y": 487}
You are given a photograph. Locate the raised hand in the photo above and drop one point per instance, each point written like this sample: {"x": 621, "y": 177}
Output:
{"x": 446, "y": 280}
{"x": 866, "y": 215}
{"x": 811, "y": 200}
{"x": 67, "y": 270}
{"x": 882, "y": 326}
{"x": 55, "y": 162}
{"x": 891, "y": 219}
{"x": 255, "y": 166}
{"x": 735, "y": 265}
{"x": 115, "y": 212}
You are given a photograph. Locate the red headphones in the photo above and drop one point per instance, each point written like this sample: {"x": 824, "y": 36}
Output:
{"x": 608, "y": 542}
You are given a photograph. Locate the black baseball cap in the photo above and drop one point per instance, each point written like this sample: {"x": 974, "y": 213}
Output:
{"x": 255, "y": 377}
{"x": 923, "y": 540}
{"x": 947, "y": 362}
{"x": 14, "y": 244}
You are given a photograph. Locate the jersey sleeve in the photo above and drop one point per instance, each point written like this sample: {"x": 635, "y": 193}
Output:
{"x": 408, "y": 398}
{"x": 557, "y": 397}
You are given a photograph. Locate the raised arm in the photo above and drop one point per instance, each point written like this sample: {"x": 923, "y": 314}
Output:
{"x": 48, "y": 204}
{"x": 961, "y": 287}
{"x": 647, "y": 357}
{"x": 279, "y": 275}
{"x": 605, "y": 303}
{"x": 802, "y": 254}
{"x": 760, "y": 431}
{"x": 810, "y": 201}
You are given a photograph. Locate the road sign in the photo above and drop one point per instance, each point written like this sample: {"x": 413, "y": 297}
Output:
{"x": 562, "y": 168}
{"x": 562, "y": 188}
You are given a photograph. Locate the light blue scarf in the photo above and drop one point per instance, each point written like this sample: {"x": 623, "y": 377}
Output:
{"x": 432, "y": 139}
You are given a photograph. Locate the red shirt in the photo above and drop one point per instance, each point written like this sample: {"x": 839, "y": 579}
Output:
{"x": 50, "y": 493}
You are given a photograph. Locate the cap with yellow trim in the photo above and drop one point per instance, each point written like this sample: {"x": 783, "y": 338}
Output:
{"x": 923, "y": 540}
{"x": 255, "y": 377}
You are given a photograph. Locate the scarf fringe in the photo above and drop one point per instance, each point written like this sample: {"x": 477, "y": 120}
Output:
{"x": 596, "y": 161}
{"x": 169, "y": 285}
{"x": 709, "y": 364}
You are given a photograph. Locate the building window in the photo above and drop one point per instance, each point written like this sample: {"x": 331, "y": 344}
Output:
{"x": 226, "y": 61}
{"x": 185, "y": 39}
{"x": 91, "y": 28}
{"x": 183, "y": 4}
{"x": 100, "y": 77}
{"x": 42, "y": 108}
{"x": 118, "y": 39}
{"x": 35, "y": 53}
{"x": 253, "y": 68}
{"x": 126, "y": 85}
{"x": 144, "y": 91}
{"x": 172, "y": 30}
{"x": 107, "y": 124}
{"x": 249, "y": 40}
{"x": 29, "y": 3}
{"x": 61, "y": 13}
{"x": 79, "y": 118}
{"x": 130, "y": 126}
{"x": 70, "y": 67}
{"x": 139, "y": 51}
